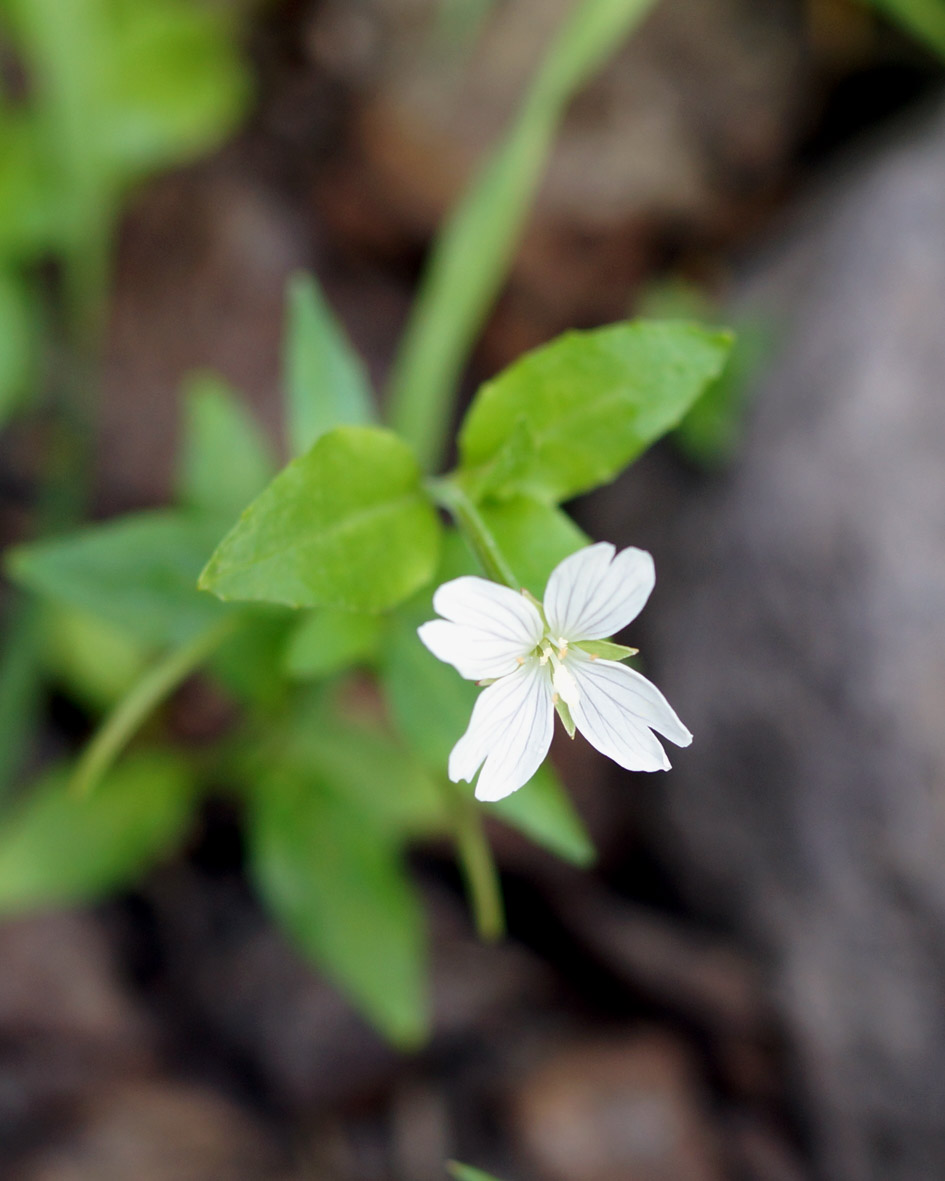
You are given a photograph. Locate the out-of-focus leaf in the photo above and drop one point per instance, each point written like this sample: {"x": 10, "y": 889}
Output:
{"x": 710, "y": 433}
{"x": 593, "y": 401}
{"x": 543, "y": 811}
{"x": 96, "y": 661}
{"x": 20, "y": 685}
{"x": 57, "y": 849}
{"x": 462, "y": 1172}
{"x": 336, "y": 882}
{"x": 174, "y": 85}
{"x": 138, "y": 572}
{"x": 475, "y": 248}
{"x": 17, "y": 342}
{"x": 65, "y": 48}
{"x": 459, "y": 21}
{"x": 346, "y": 525}
{"x": 31, "y": 216}
{"x": 249, "y": 662}
{"x": 429, "y": 701}
{"x": 225, "y": 461}
{"x": 330, "y": 640}
{"x": 924, "y": 19}
{"x": 128, "y": 86}
{"x": 365, "y": 764}
{"x": 326, "y": 385}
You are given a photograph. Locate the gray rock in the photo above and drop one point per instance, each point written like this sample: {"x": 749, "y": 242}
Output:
{"x": 802, "y": 638}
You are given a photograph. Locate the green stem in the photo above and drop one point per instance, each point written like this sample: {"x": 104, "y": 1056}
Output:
{"x": 156, "y": 684}
{"x": 479, "y": 869}
{"x": 464, "y": 512}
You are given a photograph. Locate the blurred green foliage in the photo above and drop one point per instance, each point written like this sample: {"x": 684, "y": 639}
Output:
{"x": 924, "y": 19}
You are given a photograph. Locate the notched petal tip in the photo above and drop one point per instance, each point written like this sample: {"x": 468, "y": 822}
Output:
{"x": 595, "y": 592}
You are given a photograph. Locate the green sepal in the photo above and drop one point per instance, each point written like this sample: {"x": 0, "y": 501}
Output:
{"x": 565, "y": 715}
{"x": 605, "y": 649}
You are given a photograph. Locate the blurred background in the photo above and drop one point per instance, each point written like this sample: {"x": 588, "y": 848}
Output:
{"x": 750, "y": 983}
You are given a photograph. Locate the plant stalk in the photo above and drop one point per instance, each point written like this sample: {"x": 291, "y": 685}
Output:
{"x": 127, "y": 717}
{"x": 460, "y": 506}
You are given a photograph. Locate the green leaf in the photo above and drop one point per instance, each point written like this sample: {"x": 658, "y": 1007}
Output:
{"x": 593, "y": 402}
{"x": 225, "y": 460}
{"x": 31, "y": 214}
{"x": 173, "y": 85}
{"x": 365, "y": 764}
{"x": 506, "y": 465}
{"x": 17, "y": 342}
{"x": 57, "y": 849}
{"x": 467, "y": 1173}
{"x": 475, "y": 248}
{"x": 137, "y": 572}
{"x": 543, "y": 811}
{"x": 330, "y": 641}
{"x": 326, "y": 383}
{"x": 249, "y": 663}
{"x": 346, "y": 525}
{"x": 711, "y": 432}
{"x": 428, "y": 700}
{"x": 97, "y": 662}
{"x": 924, "y": 19}
{"x": 335, "y": 881}
{"x": 431, "y": 706}
{"x": 21, "y": 686}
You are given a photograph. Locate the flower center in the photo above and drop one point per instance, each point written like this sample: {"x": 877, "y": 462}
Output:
{"x": 561, "y": 676}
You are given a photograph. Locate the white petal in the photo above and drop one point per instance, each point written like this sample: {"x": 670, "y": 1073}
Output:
{"x": 616, "y": 709}
{"x": 510, "y": 731}
{"x": 476, "y": 655}
{"x": 488, "y": 630}
{"x": 491, "y": 608}
{"x": 593, "y": 594}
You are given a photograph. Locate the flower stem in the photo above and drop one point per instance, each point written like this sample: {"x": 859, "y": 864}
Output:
{"x": 461, "y": 508}
{"x": 156, "y": 684}
{"x": 479, "y": 869}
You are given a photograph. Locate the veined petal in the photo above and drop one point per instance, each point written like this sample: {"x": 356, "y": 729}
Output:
{"x": 509, "y": 732}
{"x": 476, "y": 655}
{"x": 492, "y": 609}
{"x": 615, "y": 712}
{"x": 593, "y": 593}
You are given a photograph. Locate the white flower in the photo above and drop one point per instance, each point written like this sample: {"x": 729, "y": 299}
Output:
{"x": 541, "y": 655}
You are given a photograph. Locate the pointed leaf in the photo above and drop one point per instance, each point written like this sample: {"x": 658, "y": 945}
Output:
{"x": 57, "y": 848}
{"x": 347, "y": 525}
{"x": 460, "y": 1172}
{"x": 17, "y": 342}
{"x": 225, "y": 459}
{"x": 138, "y": 572}
{"x": 174, "y": 85}
{"x": 593, "y": 401}
{"x": 326, "y": 382}
{"x": 337, "y": 884}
